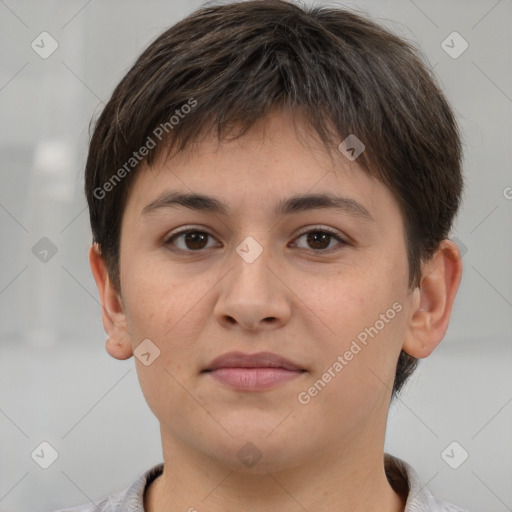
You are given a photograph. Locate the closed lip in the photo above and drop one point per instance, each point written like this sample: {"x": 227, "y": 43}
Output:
{"x": 258, "y": 360}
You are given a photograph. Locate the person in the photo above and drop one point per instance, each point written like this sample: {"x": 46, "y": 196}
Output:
{"x": 271, "y": 189}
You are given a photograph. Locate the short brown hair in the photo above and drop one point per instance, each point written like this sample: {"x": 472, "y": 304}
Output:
{"x": 236, "y": 63}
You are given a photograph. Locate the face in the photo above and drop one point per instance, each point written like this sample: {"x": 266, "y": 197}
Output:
{"x": 323, "y": 286}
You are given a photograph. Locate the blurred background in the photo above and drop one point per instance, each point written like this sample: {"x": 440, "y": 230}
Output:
{"x": 60, "y": 61}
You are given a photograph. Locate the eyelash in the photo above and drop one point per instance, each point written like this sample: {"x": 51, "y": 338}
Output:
{"x": 315, "y": 229}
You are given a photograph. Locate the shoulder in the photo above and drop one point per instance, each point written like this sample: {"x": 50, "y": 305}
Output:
{"x": 131, "y": 498}
{"x": 105, "y": 505}
{"x": 445, "y": 506}
{"x": 404, "y": 479}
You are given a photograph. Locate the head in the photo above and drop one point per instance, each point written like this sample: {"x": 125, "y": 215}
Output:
{"x": 250, "y": 103}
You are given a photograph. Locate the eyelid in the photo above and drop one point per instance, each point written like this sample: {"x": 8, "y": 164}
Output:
{"x": 325, "y": 229}
{"x": 183, "y": 230}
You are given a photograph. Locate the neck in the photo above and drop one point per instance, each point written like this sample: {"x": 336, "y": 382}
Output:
{"x": 339, "y": 479}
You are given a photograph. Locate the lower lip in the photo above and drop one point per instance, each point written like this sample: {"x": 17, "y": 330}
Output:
{"x": 253, "y": 379}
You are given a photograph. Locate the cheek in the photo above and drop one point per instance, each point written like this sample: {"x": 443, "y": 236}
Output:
{"x": 357, "y": 372}
{"x": 367, "y": 339}
{"x": 352, "y": 301}
{"x": 170, "y": 309}
{"x": 171, "y": 313}
{"x": 159, "y": 298}
{"x": 366, "y": 316}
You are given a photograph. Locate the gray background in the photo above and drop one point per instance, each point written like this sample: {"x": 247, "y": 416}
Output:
{"x": 57, "y": 384}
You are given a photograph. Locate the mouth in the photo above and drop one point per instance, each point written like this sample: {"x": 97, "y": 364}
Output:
{"x": 252, "y": 372}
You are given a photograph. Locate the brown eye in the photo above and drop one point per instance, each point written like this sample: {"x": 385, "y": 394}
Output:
{"x": 189, "y": 240}
{"x": 320, "y": 240}
{"x": 195, "y": 240}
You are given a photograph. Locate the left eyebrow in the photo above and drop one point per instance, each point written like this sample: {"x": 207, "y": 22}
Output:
{"x": 294, "y": 204}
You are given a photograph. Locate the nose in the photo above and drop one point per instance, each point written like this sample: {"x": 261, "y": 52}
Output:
{"x": 253, "y": 296}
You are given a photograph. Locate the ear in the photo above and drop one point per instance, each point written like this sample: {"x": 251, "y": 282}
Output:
{"x": 118, "y": 344}
{"x": 433, "y": 301}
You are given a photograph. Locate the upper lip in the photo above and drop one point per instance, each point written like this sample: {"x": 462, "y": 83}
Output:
{"x": 258, "y": 360}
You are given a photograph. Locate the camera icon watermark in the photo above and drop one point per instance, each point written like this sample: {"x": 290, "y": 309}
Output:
{"x": 44, "y": 455}
{"x": 44, "y": 45}
{"x": 44, "y": 250}
{"x": 146, "y": 352}
{"x": 352, "y": 147}
{"x": 507, "y": 193}
{"x": 454, "y": 455}
{"x": 249, "y": 249}
{"x": 454, "y": 45}
{"x": 249, "y": 454}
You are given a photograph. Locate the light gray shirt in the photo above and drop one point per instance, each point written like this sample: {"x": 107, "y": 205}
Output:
{"x": 402, "y": 477}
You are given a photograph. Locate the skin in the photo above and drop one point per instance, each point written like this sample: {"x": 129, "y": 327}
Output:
{"x": 303, "y": 301}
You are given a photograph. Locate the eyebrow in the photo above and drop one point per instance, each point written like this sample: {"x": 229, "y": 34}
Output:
{"x": 293, "y": 204}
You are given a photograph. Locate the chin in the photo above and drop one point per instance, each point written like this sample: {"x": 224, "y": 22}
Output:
{"x": 257, "y": 448}
{"x": 258, "y": 457}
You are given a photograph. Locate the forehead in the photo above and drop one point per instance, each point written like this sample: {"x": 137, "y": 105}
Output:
{"x": 273, "y": 162}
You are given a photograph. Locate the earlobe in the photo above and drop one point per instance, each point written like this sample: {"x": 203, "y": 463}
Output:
{"x": 118, "y": 344}
{"x": 117, "y": 348}
{"x": 433, "y": 301}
